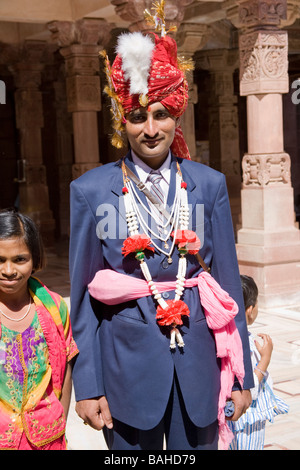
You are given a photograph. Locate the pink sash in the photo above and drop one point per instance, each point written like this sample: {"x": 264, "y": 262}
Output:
{"x": 113, "y": 288}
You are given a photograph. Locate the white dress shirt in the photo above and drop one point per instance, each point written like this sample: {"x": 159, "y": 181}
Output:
{"x": 143, "y": 171}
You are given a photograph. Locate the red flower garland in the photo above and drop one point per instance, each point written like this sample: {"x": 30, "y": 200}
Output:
{"x": 187, "y": 239}
{"x": 136, "y": 243}
{"x": 172, "y": 314}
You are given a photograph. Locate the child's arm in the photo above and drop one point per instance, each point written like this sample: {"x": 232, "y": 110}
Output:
{"x": 67, "y": 389}
{"x": 265, "y": 351}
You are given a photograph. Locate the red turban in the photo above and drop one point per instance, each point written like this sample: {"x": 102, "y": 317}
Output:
{"x": 166, "y": 82}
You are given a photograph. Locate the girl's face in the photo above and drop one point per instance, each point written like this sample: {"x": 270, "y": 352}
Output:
{"x": 16, "y": 266}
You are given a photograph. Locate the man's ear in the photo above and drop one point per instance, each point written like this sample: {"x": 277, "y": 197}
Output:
{"x": 178, "y": 121}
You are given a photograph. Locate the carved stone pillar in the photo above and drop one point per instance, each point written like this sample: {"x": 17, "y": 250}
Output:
{"x": 33, "y": 188}
{"x": 268, "y": 245}
{"x": 190, "y": 38}
{"x": 224, "y": 152}
{"x": 64, "y": 154}
{"x": 80, "y": 46}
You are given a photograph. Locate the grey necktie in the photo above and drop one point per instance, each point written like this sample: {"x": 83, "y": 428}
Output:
{"x": 155, "y": 178}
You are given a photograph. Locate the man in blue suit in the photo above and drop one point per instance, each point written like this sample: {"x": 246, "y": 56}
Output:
{"x": 127, "y": 380}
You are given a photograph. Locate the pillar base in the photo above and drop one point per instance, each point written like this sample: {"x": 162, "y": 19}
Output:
{"x": 275, "y": 268}
{"x": 268, "y": 244}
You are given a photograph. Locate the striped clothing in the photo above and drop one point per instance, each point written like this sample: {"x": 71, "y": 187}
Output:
{"x": 249, "y": 430}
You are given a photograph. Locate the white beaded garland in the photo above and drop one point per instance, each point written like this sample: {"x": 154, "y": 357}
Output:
{"x": 179, "y": 218}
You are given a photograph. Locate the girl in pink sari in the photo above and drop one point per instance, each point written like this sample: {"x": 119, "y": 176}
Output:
{"x": 36, "y": 344}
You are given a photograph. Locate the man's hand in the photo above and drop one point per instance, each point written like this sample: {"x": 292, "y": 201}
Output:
{"x": 242, "y": 400}
{"x": 95, "y": 412}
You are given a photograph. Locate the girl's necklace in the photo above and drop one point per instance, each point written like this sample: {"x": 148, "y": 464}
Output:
{"x": 17, "y": 319}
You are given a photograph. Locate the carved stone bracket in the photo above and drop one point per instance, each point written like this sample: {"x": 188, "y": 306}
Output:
{"x": 266, "y": 170}
{"x": 257, "y": 13}
{"x": 133, "y": 12}
{"x": 192, "y": 37}
{"x": 91, "y": 31}
{"x": 261, "y": 13}
{"x": 264, "y": 62}
{"x": 80, "y": 43}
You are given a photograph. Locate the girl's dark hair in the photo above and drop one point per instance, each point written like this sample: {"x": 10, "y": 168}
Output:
{"x": 15, "y": 224}
{"x": 250, "y": 291}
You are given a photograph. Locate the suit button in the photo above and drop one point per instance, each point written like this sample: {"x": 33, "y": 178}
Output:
{"x": 165, "y": 295}
{"x": 165, "y": 264}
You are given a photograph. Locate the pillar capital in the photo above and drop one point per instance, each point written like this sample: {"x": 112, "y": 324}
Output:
{"x": 80, "y": 42}
{"x": 86, "y": 31}
{"x": 133, "y": 12}
{"x": 243, "y": 15}
{"x": 192, "y": 37}
{"x": 263, "y": 47}
{"x": 261, "y": 13}
{"x": 263, "y": 62}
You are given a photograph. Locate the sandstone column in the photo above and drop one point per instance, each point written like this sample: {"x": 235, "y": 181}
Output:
{"x": 268, "y": 245}
{"x": 224, "y": 152}
{"x": 80, "y": 45}
{"x": 64, "y": 160}
{"x": 190, "y": 38}
{"x": 33, "y": 188}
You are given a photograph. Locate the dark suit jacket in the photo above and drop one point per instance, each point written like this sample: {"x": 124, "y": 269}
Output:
{"x": 124, "y": 354}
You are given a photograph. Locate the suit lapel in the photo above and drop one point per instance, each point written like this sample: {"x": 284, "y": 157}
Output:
{"x": 191, "y": 185}
{"x": 117, "y": 183}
